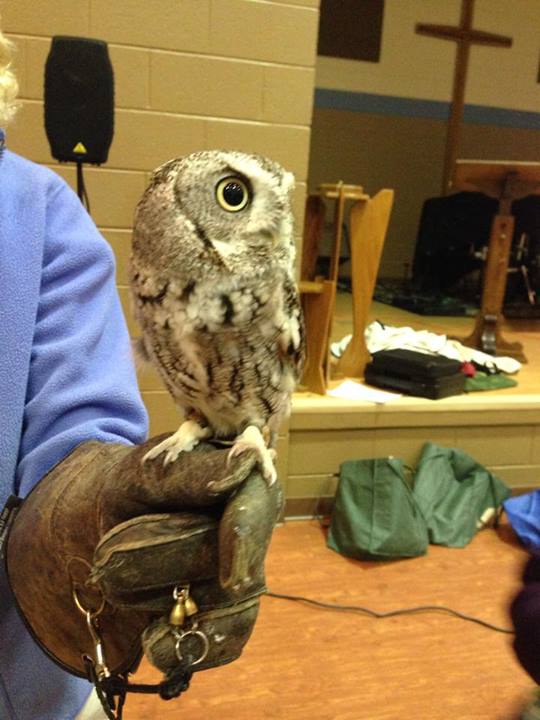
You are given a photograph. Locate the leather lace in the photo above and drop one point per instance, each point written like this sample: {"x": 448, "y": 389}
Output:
{"x": 112, "y": 690}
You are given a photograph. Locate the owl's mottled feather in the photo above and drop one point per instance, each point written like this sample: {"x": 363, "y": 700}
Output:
{"x": 214, "y": 291}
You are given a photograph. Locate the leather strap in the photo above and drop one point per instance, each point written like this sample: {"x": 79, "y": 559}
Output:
{"x": 112, "y": 690}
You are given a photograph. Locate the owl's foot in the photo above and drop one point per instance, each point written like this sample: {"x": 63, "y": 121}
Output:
{"x": 252, "y": 439}
{"x": 184, "y": 439}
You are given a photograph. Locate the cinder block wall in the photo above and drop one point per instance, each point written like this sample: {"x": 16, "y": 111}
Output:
{"x": 189, "y": 75}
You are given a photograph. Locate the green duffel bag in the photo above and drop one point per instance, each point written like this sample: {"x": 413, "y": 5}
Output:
{"x": 457, "y": 495}
{"x": 375, "y": 516}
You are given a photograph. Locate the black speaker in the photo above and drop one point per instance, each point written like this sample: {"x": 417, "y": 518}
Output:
{"x": 79, "y": 100}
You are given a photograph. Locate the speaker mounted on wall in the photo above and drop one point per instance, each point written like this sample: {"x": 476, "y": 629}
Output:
{"x": 79, "y": 100}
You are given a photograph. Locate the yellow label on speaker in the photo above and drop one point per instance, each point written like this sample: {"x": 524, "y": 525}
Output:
{"x": 80, "y": 149}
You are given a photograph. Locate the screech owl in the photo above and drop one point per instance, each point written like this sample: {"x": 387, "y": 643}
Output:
{"x": 212, "y": 281}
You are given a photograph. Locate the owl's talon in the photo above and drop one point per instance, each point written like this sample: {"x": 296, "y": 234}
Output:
{"x": 236, "y": 450}
{"x": 252, "y": 439}
{"x": 153, "y": 453}
{"x": 184, "y": 439}
{"x": 270, "y": 476}
{"x": 171, "y": 456}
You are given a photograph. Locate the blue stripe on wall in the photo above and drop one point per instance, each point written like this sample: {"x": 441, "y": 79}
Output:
{"x": 432, "y": 109}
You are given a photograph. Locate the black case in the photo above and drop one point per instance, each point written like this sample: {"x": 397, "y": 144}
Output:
{"x": 415, "y": 373}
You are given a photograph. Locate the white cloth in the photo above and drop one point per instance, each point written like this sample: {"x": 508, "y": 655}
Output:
{"x": 92, "y": 709}
{"x": 386, "y": 337}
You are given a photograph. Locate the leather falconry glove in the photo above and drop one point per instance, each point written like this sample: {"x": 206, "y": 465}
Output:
{"x": 109, "y": 556}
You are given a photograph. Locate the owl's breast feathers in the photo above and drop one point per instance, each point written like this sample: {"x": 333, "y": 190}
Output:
{"x": 233, "y": 351}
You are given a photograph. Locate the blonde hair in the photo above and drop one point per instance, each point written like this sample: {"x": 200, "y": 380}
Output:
{"x": 8, "y": 83}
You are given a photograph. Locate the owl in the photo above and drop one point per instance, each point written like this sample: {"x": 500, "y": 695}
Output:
{"x": 213, "y": 289}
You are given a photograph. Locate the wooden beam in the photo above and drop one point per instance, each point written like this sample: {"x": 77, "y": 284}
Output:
{"x": 464, "y": 36}
{"x": 476, "y": 37}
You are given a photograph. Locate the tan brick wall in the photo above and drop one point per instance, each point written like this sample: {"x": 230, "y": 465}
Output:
{"x": 189, "y": 75}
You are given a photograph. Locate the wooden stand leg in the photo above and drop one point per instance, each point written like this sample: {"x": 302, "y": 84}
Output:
{"x": 313, "y": 225}
{"x": 318, "y": 302}
{"x": 368, "y": 225}
{"x": 338, "y": 231}
{"x": 334, "y": 265}
{"x": 486, "y": 335}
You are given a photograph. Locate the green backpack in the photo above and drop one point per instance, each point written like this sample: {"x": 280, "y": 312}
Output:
{"x": 377, "y": 515}
{"x": 455, "y": 494}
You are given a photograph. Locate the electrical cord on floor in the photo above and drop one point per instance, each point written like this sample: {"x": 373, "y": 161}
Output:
{"x": 391, "y": 613}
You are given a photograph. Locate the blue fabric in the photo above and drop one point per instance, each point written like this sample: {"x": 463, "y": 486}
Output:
{"x": 66, "y": 376}
{"x": 523, "y": 512}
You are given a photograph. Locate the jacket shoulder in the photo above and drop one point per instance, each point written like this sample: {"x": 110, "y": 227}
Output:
{"x": 17, "y": 170}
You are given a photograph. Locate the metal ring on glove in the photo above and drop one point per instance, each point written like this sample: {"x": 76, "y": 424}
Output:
{"x": 199, "y": 634}
{"x": 82, "y": 609}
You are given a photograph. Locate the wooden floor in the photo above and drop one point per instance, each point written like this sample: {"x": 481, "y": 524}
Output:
{"x": 309, "y": 664}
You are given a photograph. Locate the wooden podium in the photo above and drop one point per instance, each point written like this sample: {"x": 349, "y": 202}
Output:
{"x": 369, "y": 217}
{"x": 506, "y": 181}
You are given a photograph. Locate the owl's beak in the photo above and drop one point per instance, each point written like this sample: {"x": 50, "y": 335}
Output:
{"x": 265, "y": 236}
{"x": 270, "y": 234}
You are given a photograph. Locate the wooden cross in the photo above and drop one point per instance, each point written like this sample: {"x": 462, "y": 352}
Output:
{"x": 464, "y": 36}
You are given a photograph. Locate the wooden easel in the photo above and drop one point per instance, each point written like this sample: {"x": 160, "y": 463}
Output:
{"x": 318, "y": 293}
{"x": 369, "y": 219}
{"x": 506, "y": 181}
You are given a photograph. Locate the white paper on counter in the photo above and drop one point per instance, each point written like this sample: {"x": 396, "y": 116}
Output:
{"x": 352, "y": 390}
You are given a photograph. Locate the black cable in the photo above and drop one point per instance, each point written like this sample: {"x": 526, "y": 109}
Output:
{"x": 391, "y": 613}
{"x": 81, "y": 187}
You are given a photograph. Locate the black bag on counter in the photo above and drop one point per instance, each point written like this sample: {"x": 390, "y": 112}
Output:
{"x": 415, "y": 373}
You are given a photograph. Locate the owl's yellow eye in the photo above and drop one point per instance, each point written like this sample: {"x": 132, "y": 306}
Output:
{"x": 232, "y": 194}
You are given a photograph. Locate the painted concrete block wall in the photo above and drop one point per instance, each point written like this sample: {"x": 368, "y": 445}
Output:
{"x": 505, "y": 440}
{"x": 189, "y": 75}
{"x": 415, "y": 66}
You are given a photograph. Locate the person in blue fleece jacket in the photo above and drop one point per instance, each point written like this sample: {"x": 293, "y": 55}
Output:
{"x": 66, "y": 376}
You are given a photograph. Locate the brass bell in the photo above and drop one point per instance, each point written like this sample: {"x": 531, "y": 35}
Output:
{"x": 178, "y": 612}
{"x": 190, "y": 606}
